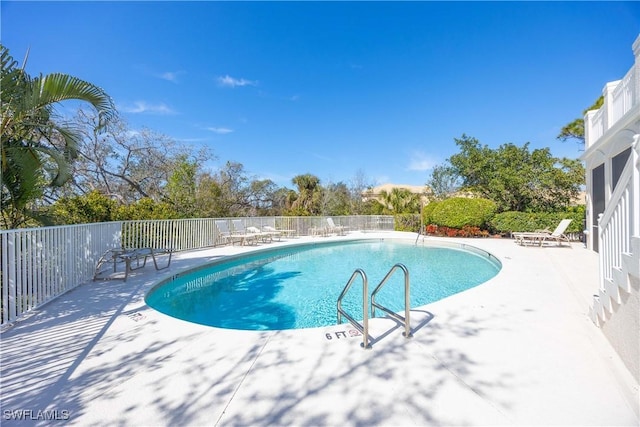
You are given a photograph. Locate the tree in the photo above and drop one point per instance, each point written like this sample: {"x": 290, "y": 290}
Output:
{"x": 129, "y": 164}
{"x": 357, "y": 187}
{"x": 208, "y": 194}
{"x": 234, "y": 195}
{"x": 336, "y": 199}
{"x": 262, "y": 197}
{"x": 283, "y": 200}
{"x": 36, "y": 147}
{"x": 575, "y": 129}
{"x": 309, "y": 195}
{"x": 181, "y": 187}
{"x": 516, "y": 178}
{"x": 400, "y": 201}
{"x": 443, "y": 182}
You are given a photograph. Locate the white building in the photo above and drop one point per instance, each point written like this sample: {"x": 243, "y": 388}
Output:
{"x": 612, "y": 160}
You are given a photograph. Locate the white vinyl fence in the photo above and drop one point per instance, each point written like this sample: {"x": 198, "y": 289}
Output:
{"x": 39, "y": 264}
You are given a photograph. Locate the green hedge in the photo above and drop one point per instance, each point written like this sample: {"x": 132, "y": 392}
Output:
{"x": 427, "y": 211}
{"x": 459, "y": 212}
{"x": 507, "y": 222}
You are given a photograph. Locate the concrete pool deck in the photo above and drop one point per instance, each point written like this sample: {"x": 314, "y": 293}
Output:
{"x": 517, "y": 350}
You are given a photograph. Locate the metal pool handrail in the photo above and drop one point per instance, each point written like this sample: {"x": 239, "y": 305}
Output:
{"x": 407, "y": 304}
{"x": 364, "y": 328}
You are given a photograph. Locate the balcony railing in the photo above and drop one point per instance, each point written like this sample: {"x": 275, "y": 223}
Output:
{"x": 594, "y": 126}
{"x": 620, "y": 98}
{"x": 39, "y": 264}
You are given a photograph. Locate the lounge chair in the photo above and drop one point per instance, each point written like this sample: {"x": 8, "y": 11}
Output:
{"x": 226, "y": 235}
{"x": 320, "y": 228}
{"x": 333, "y": 228}
{"x": 128, "y": 256}
{"x": 286, "y": 232}
{"x": 539, "y": 237}
{"x": 319, "y": 231}
{"x": 262, "y": 235}
{"x": 240, "y": 231}
{"x": 273, "y": 232}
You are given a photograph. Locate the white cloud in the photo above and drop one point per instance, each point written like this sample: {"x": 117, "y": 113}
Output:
{"x": 220, "y": 131}
{"x": 229, "y": 81}
{"x": 171, "y": 76}
{"x": 421, "y": 162}
{"x": 145, "y": 107}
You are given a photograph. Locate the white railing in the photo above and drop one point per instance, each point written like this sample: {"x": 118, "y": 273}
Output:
{"x": 39, "y": 264}
{"x": 594, "y": 126}
{"x": 178, "y": 235}
{"x": 621, "y": 218}
{"x": 620, "y": 97}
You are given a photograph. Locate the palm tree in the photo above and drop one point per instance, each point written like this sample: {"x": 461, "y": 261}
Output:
{"x": 307, "y": 201}
{"x": 35, "y": 148}
{"x": 400, "y": 200}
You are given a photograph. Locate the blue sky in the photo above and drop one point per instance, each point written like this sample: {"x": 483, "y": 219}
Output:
{"x": 336, "y": 88}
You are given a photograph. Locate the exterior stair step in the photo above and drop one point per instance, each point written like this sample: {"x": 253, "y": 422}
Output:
{"x": 595, "y": 311}
{"x": 605, "y": 300}
{"x": 635, "y": 245}
{"x": 631, "y": 264}
{"x": 621, "y": 279}
{"x": 600, "y": 312}
{"x": 631, "y": 261}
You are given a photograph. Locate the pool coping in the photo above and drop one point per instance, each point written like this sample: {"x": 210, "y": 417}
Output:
{"x": 517, "y": 350}
{"x": 267, "y": 250}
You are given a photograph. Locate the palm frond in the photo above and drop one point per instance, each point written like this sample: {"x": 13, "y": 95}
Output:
{"x": 59, "y": 167}
{"x": 19, "y": 174}
{"x": 59, "y": 87}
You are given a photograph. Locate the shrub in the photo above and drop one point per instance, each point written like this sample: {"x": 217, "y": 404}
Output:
{"x": 459, "y": 212}
{"x": 427, "y": 212}
{"x": 407, "y": 222}
{"x": 466, "y": 231}
{"x": 509, "y": 222}
{"x": 146, "y": 208}
{"x": 83, "y": 209}
{"x": 432, "y": 229}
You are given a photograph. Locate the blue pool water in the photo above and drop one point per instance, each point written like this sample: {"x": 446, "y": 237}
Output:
{"x": 298, "y": 287}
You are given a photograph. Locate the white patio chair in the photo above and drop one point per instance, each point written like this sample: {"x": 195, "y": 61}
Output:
{"x": 539, "y": 237}
{"x": 333, "y": 228}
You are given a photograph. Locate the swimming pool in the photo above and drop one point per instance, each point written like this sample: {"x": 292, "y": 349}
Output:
{"x": 297, "y": 287}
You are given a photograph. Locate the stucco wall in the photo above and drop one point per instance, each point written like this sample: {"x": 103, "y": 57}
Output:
{"x": 623, "y": 329}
